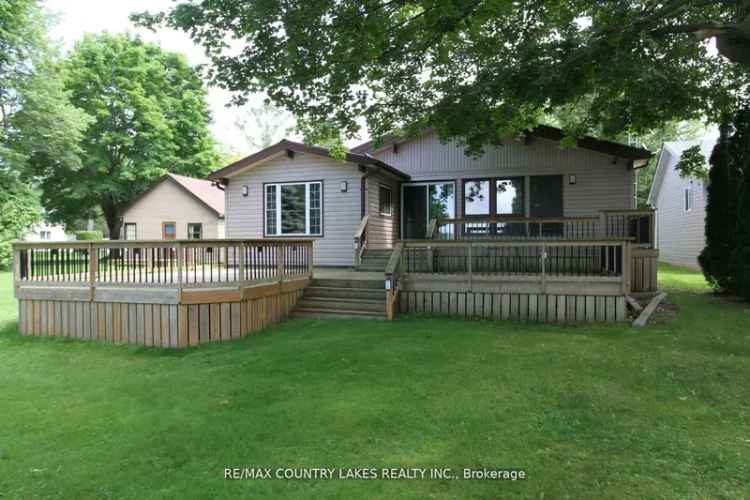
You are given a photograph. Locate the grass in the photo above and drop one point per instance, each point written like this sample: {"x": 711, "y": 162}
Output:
{"x": 588, "y": 411}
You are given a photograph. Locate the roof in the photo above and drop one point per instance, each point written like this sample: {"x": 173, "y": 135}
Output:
{"x": 202, "y": 190}
{"x": 638, "y": 155}
{"x": 670, "y": 155}
{"x": 286, "y": 146}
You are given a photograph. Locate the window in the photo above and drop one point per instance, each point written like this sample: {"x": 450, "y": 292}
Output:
{"x": 130, "y": 231}
{"x": 45, "y": 235}
{"x": 294, "y": 209}
{"x": 688, "y": 198}
{"x": 195, "y": 231}
{"x": 386, "y": 200}
{"x": 168, "y": 230}
{"x": 503, "y": 196}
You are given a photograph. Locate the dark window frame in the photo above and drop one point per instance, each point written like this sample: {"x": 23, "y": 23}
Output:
{"x": 388, "y": 212}
{"x": 189, "y": 232}
{"x": 493, "y": 195}
{"x": 125, "y": 230}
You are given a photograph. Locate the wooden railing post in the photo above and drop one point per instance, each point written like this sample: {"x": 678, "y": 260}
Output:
{"x": 241, "y": 262}
{"x": 543, "y": 258}
{"x": 310, "y": 266}
{"x": 280, "y": 261}
{"x": 16, "y": 265}
{"x": 180, "y": 265}
{"x": 626, "y": 265}
{"x": 470, "y": 265}
{"x": 93, "y": 268}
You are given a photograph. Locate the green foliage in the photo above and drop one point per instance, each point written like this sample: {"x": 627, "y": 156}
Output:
{"x": 149, "y": 116}
{"x": 89, "y": 235}
{"x": 19, "y": 209}
{"x": 474, "y": 71}
{"x": 692, "y": 164}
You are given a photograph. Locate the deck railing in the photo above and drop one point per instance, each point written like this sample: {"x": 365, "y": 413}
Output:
{"x": 178, "y": 263}
{"x": 636, "y": 225}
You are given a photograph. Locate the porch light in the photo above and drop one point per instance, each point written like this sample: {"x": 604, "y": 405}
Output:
{"x": 572, "y": 179}
{"x": 387, "y": 284}
{"x": 245, "y": 191}
{"x": 344, "y": 186}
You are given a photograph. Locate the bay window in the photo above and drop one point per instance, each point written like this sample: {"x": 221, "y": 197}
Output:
{"x": 294, "y": 209}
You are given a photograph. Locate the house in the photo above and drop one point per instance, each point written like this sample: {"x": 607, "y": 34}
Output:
{"x": 45, "y": 231}
{"x": 295, "y": 190}
{"x": 680, "y": 205}
{"x": 176, "y": 207}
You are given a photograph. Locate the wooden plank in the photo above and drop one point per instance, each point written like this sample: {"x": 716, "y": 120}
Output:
{"x": 43, "y": 317}
{"x": 580, "y": 314}
{"x": 204, "y": 331}
{"x": 133, "y": 324}
{"x": 194, "y": 325}
{"x": 523, "y": 307}
{"x": 173, "y": 326}
{"x": 533, "y": 307}
{"x": 94, "y": 320}
{"x": 643, "y": 318}
{"x": 125, "y": 319}
{"x": 140, "y": 319}
{"x": 561, "y": 308}
{"x": 51, "y": 327}
{"x": 137, "y": 295}
{"x": 22, "y": 317}
{"x": 590, "y": 308}
{"x": 633, "y": 304}
{"x": 601, "y": 308}
{"x": 165, "y": 340}
{"x": 621, "y": 312}
{"x": 80, "y": 317}
{"x": 182, "y": 327}
{"x": 226, "y": 328}
{"x": 551, "y": 308}
{"x": 216, "y": 320}
{"x": 148, "y": 325}
{"x": 108, "y": 317}
{"x": 235, "y": 320}
{"x": 506, "y": 306}
{"x": 570, "y": 308}
{"x": 215, "y": 315}
{"x": 541, "y": 308}
{"x": 210, "y": 296}
{"x": 611, "y": 309}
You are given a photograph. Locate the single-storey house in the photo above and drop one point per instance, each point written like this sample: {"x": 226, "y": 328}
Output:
{"x": 176, "y": 207}
{"x": 680, "y": 205}
{"x": 392, "y": 191}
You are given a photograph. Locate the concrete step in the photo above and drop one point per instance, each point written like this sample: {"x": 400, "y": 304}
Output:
{"x": 345, "y": 293}
{"x": 371, "y": 269}
{"x": 335, "y": 314}
{"x": 378, "y": 253}
{"x": 374, "y": 262}
{"x": 349, "y": 283}
{"x": 336, "y": 303}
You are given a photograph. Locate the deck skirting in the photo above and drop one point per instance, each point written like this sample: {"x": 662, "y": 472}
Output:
{"x": 158, "y": 318}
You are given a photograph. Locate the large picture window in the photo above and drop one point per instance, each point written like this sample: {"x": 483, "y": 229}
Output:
{"x": 294, "y": 208}
{"x": 497, "y": 196}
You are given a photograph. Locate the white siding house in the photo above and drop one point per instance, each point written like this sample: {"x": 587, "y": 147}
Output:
{"x": 680, "y": 205}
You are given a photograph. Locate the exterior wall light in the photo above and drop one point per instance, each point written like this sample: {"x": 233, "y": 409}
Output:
{"x": 572, "y": 179}
{"x": 245, "y": 191}
{"x": 344, "y": 186}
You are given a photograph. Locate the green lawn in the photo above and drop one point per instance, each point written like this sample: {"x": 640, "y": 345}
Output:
{"x": 588, "y": 411}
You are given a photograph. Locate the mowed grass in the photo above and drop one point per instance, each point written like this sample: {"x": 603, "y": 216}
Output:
{"x": 588, "y": 411}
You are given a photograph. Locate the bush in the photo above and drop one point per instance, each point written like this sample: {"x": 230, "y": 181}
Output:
{"x": 89, "y": 235}
{"x": 740, "y": 261}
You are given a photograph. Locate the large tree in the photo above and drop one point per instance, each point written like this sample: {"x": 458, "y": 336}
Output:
{"x": 150, "y": 117}
{"x": 36, "y": 119}
{"x": 476, "y": 70}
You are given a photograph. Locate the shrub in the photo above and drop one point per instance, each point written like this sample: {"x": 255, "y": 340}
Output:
{"x": 740, "y": 261}
{"x": 89, "y": 235}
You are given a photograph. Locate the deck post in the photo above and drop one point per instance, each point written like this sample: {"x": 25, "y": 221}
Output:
{"x": 241, "y": 262}
{"x": 180, "y": 265}
{"x": 310, "y": 259}
{"x": 16, "y": 266}
{"x": 93, "y": 267}
{"x": 626, "y": 258}
{"x": 543, "y": 257}
{"x": 280, "y": 262}
{"x": 602, "y": 224}
{"x": 469, "y": 265}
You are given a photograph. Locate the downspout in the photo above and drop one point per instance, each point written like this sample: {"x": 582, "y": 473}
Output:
{"x": 363, "y": 189}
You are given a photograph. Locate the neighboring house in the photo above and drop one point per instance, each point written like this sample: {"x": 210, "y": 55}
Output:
{"x": 294, "y": 190}
{"x": 680, "y": 205}
{"x": 44, "y": 231}
{"x": 176, "y": 207}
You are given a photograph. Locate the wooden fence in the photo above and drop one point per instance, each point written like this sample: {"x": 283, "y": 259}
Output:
{"x": 166, "y": 294}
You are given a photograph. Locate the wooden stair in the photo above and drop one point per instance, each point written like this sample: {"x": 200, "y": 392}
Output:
{"x": 374, "y": 260}
{"x": 343, "y": 298}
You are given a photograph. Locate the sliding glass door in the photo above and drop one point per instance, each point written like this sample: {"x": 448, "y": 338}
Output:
{"x": 425, "y": 201}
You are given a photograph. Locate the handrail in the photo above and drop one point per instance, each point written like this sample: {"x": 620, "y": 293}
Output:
{"x": 513, "y": 218}
{"x": 161, "y": 263}
{"x": 360, "y": 240}
{"x": 392, "y": 278}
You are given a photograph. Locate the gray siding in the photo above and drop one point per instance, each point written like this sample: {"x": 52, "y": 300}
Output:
{"x": 601, "y": 183}
{"x": 382, "y": 230}
{"x": 341, "y": 211}
{"x": 680, "y": 234}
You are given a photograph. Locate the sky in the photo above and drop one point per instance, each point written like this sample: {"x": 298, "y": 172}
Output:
{"x": 76, "y": 17}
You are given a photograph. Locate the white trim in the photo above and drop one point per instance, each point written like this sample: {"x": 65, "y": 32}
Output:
{"x": 389, "y": 188}
{"x": 277, "y": 186}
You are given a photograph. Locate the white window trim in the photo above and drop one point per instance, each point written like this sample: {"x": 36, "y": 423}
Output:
{"x": 687, "y": 198}
{"x": 277, "y": 186}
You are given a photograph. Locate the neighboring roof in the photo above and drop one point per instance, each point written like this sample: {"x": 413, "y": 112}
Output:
{"x": 202, "y": 190}
{"x": 286, "y": 146}
{"x": 637, "y": 155}
{"x": 670, "y": 155}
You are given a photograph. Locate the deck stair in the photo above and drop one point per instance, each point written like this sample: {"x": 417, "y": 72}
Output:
{"x": 374, "y": 260}
{"x": 343, "y": 298}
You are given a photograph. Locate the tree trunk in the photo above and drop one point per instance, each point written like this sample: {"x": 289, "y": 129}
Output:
{"x": 113, "y": 219}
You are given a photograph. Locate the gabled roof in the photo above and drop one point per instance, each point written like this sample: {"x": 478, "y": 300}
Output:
{"x": 670, "y": 155}
{"x": 286, "y": 146}
{"x": 639, "y": 156}
{"x": 206, "y": 192}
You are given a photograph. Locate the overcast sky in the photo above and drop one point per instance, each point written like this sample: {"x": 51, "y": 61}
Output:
{"x": 76, "y": 17}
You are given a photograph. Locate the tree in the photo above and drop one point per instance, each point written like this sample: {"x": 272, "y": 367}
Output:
{"x": 36, "y": 118}
{"x": 263, "y": 125}
{"x": 478, "y": 70}
{"x": 150, "y": 117}
{"x": 740, "y": 153}
{"x": 721, "y": 214}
